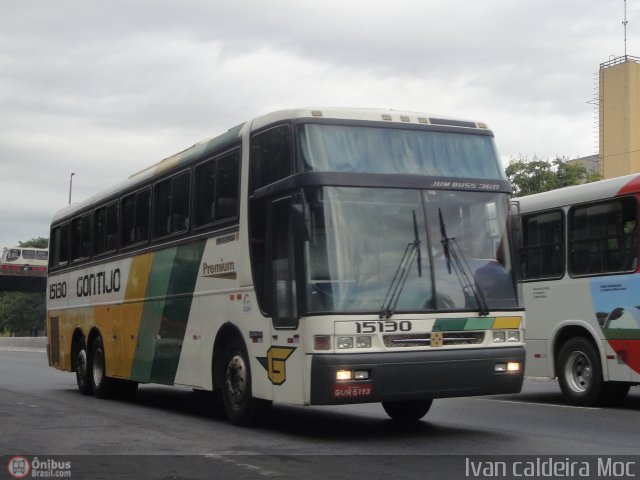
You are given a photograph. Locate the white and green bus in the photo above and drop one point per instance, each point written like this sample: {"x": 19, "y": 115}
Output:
{"x": 580, "y": 283}
{"x": 311, "y": 257}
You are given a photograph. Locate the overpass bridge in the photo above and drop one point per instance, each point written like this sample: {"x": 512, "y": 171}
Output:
{"x": 27, "y": 281}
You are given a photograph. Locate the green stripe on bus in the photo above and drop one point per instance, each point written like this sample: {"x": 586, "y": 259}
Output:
{"x": 449, "y": 324}
{"x": 484, "y": 323}
{"x": 149, "y": 332}
{"x": 175, "y": 314}
{"x": 621, "y": 333}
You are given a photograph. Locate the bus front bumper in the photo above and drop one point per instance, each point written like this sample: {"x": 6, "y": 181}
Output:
{"x": 400, "y": 376}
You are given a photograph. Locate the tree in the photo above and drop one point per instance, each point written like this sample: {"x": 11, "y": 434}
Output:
{"x": 38, "y": 242}
{"x": 24, "y": 313}
{"x": 540, "y": 175}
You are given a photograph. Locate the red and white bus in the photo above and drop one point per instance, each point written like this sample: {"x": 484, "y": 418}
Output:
{"x": 23, "y": 259}
{"x": 581, "y": 288}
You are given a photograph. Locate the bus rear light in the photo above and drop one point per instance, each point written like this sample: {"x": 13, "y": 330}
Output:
{"x": 322, "y": 342}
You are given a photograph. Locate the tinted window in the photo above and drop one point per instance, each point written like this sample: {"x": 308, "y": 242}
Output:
{"x": 603, "y": 237}
{"x": 542, "y": 254}
{"x": 81, "y": 237}
{"x": 270, "y": 156}
{"x": 106, "y": 229}
{"x": 172, "y": 205}
{"x": 135, "y": 218}
{"x": 217, "y": 190}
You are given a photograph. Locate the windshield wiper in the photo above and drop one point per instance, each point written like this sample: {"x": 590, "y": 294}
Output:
{"x": 463, "y": 271}
{"x": 399, "y": 280}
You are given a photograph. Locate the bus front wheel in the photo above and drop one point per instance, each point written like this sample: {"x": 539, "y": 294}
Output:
{"x": 240, "y": 406}
{"x": 580, "y": 372}
{"x": 407, "y": 411}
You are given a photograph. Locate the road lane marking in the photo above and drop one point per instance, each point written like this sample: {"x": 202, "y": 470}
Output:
{"x": 536, "y": 403}
{"x": 245, "y": 466}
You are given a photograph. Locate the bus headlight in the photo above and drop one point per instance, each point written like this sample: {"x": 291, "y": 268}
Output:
{"x": 344, "y": 342}
{"x": 513, "y": 336}
{"x": 363, "y": 341}
{"x": 499, "y": 337}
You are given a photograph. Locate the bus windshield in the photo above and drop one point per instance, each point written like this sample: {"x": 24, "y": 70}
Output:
{"x": 359, "y": 236}
{"x": 342, "y": 148}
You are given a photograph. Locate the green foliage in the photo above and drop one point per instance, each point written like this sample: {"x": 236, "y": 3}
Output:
{"x": 540, "y": 175}
{"x": 23, "y": 314}
{"x": 39, "y": 242}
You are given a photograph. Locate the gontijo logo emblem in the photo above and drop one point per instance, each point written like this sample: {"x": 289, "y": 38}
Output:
{"x": 275, "y": 363}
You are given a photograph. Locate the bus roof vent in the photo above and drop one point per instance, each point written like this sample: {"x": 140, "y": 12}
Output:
{"x": 452, "y": 123}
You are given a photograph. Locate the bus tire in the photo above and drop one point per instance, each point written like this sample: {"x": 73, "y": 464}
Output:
{"x": 239, "y": 404}
{"x": 407, "y": 411}
{"x": 102, "y": 386}
{"x": 580, "y": 372}
{"x": 83, "y": 375}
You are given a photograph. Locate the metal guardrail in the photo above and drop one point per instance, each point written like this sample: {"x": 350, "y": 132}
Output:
{"x": 618, "y": 60}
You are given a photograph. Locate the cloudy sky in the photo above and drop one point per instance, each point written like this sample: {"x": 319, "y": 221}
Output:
{"x": 106, "y": 88}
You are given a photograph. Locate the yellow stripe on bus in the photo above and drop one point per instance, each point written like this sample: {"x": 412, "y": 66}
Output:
{"x": 131, "y": 312}
{"x": 506, "y": 322}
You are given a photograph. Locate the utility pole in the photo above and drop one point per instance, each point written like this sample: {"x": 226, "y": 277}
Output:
{"x": 70, "y": 186}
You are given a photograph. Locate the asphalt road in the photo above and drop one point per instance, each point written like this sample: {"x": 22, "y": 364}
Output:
{"x": 176, "y": 433}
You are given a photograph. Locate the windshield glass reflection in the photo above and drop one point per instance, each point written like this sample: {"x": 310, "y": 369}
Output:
{"x": 359, "y": 236}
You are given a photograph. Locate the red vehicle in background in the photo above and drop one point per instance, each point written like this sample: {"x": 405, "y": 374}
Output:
{"x": 24, "y": 259}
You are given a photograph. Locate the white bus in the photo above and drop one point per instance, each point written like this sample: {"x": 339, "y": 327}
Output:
{"x": 311, "y": 257}
{"x": 23, "y": 259}
{"x": 579, "y": 268}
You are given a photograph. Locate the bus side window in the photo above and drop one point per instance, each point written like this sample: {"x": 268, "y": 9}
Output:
{"x": 59, "y": 246}
{"x": 217, "y": 190}
{"x": 542, "y": 253}
{"x": 172, "y": 205}
{"x": 136, "y": 210}
{"x": 81, "y": 237}
{"x": 106, "y": 229}
{"x": 602, "y": 237}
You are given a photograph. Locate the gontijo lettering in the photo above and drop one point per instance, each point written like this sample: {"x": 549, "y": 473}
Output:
{"x": 98, "y": 283}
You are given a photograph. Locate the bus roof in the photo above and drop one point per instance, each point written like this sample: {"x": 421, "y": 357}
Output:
{"x": 215, "y": 144}
{"x": 585, "y": 193}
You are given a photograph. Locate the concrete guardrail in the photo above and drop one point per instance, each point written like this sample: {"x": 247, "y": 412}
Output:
{"x": 23, "y": 343}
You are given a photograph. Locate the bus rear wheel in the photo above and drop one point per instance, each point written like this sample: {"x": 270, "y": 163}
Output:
{"x": 83, "y": 377}
{"x": 102, "y": 386}
{"x": 580, "y": 372}
{"x": 240, "y": 406}
{"x": 407, "y": 411}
